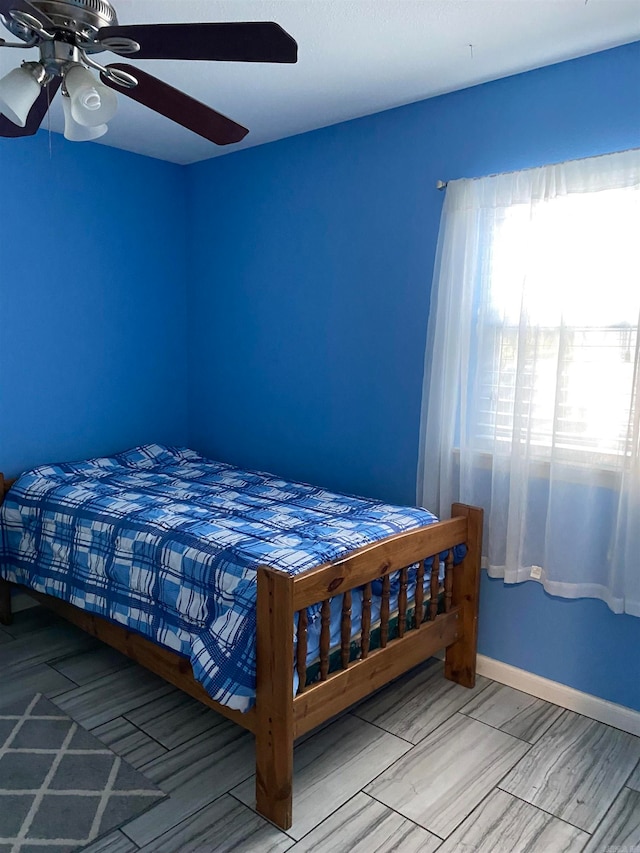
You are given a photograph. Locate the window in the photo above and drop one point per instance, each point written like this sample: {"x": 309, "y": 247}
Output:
{"x": 531, "y": 402}
{"x": 558, "y": 366}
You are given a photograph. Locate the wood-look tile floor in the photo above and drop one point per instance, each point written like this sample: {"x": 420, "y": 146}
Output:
{"x": 422, "y": 766}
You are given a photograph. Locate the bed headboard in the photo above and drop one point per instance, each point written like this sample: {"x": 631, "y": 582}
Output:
{"x": 5, "y": 485}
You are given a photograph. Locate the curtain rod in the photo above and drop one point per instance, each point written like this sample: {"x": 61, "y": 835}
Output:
{"x": 442, "y": 185}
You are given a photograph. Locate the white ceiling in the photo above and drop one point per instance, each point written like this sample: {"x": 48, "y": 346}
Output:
{"x": 356, "y": 57}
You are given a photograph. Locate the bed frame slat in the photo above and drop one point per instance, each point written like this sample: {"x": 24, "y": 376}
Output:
{"x": 448, "y": 580}
{"x": 384, "y": 611}
{"x": 419, "y": 595}
{"x": 301, "y": 650}
{"x": 402, "y": 601}
{"x": 325, "y": 638}
{"x": 434, "y": 587}
{"x": 365, "y": 637}
{"x": 345, "y": 630}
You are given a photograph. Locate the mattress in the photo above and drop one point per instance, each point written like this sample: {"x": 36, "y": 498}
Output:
{"x": 167, "y": 542}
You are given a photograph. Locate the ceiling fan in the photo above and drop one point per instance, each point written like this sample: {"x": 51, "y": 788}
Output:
{"x": 68, "y": 34}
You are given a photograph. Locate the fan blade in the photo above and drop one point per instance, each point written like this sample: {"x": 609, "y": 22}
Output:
{"x": 36, "y": 114}
{"x": 229, "y": 42}
{"x": 177, "y": 106}
{"x": 8, "y": 6}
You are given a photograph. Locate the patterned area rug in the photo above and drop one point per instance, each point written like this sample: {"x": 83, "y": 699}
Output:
{"x": 60, "y": 787}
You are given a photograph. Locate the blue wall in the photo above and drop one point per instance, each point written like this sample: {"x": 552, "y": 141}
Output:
{"x": 92, "y": 301}
{"x": 308, "y": 264}
{"x": 310, "y": 276}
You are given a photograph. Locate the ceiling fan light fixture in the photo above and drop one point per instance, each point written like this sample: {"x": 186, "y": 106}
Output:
{"x": 92, "y": 103}
{"x": 75, "y": 132}
{"x": 19, "y": 90}
{"x": 67, "y": 34}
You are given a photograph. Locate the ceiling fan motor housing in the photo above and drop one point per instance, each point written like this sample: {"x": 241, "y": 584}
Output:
{"x": 82, "y": 17}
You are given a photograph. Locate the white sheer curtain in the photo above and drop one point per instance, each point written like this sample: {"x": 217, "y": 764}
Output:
{"x": 531, "y": 403}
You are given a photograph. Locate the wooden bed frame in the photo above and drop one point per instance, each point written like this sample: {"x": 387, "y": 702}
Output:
{"x": 278, "y": 717}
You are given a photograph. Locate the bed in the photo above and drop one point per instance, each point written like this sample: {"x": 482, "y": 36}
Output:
{"x": 279, "y": 604}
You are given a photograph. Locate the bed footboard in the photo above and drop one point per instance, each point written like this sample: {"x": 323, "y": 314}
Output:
{"x": 445, "y": 621}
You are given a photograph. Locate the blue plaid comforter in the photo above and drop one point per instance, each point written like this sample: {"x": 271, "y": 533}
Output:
{"x": 167, "y": 543}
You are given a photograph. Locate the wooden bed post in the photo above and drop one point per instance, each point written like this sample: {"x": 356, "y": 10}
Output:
{"x": 274, "y": 697}
{"x": 460, "y": 658}
{"x": 6, "y": 616}
{"x": 5, "y": 587}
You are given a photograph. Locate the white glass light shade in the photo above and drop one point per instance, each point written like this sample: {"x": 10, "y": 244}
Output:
{"x": 92, "y": 103}
{"x": 18, "y": 93}
{"x": 75, "y": 132}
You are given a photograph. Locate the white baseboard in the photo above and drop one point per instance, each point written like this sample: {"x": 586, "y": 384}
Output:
{"x": 586, "y": 704}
